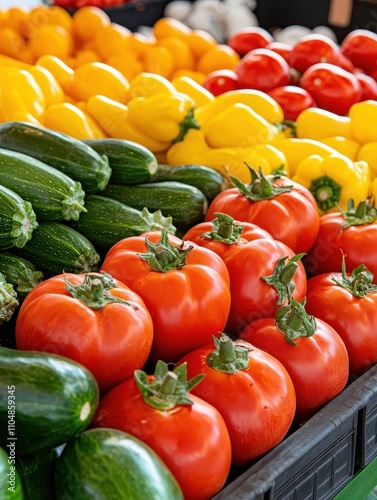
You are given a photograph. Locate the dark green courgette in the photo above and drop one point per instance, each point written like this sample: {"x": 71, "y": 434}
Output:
{"x": 53, "y": 195}
{"x": 55, "y": 399}
{"x": 113, "y": 465}
{"x": 8, "y": 300}
{"x": 21, "y": 273}
{"x": 57, "y": 248}
{"x": 208, "y": 180}
{"x": 186, "y": 204}
{"x": 63, "y": 152}
{"x": 10, "y": 481}
{"x": 130, "y": 162}
{"x": 107, "y": 221}
{"x": 17, "y": 219}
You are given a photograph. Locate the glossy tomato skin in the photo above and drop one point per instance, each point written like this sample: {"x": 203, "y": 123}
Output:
{"x": 249, "y": 38}
{"x": 247, "y": 262}
{"x": 193, "y": 441}
{"x": 111, "y": 342}
{"x": 360, "y": 46}
{"x": 353, "y": 318}
{"x": 220, "y": 81}
{"x": 332, "y": 87}
{"x": 317, "y": 365}
{"x": 281, "y": 48}
{"x": 262, "y": 69}
{"x": 368, "y": 85}
{"x": 291, "y": 217}
{"x": 188, "y": 306}
{"x": 257, "y": 403}
{"x": 312, "y": 49}
{"x": 292, "y": 99}
{"x": 357, "y": 243}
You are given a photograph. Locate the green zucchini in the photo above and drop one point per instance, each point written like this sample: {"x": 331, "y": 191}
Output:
{"x": 208, "y": 180}
{"x": 186, "y": 204}
{"x": 17, "y": 219}
{"x": 107, "y": 221}
{"x": 55, "y": 399}
{"x": 67, "y": 154}
{"x": 53, "y": 195}
{"x": 21, "y": 273}
{"x": 55, "y": 248}
{"x": 130, "y": 162}
{"x": 8, "y": 299}
{"x": 113, "y": 465}
{"x": 10, "y": 482}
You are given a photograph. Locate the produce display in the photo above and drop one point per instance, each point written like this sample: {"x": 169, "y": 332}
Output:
{"x": 187, "y": 235}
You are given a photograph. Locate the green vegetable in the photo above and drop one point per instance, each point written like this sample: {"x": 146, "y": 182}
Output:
{"x": 55, "y": 399}
{"x": 56, "y": 247}
{"x": 53, "y": 195}
{"x": 10, "y": 482}
{"x": 107, "y": 221}
{"x": 112, "y": 465}
{"x": 63, "y": 152}
{"x": 186, "y": 204}
{"x": 21, "y": 273}
{"x": 17, "y": 219}
{"x": 8, "y": 300}
{"x": 130, "y": 162}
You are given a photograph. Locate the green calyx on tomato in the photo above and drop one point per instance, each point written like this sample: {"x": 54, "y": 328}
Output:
{"x": 8, "y": 300}
{"x": 360, "y": 283}
{"x": 228, "y": 357}
{"x": 163, "y": 256}
{"x": 282, "y": 277}
{"x": 260, "y": 187}
{"x": 166, "y": 389}
{"x": 294, "y": 322}
{"x": 326, "y": 191}
{"x": 364, "y": 213}
{"x": 224, "y": 229}
{"x": 94, "y": 291}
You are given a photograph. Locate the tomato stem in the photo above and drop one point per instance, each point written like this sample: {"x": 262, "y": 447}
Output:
{"x": 224, "y": 229}
{"x": 360, "y": 283}
{"x": 364, "y": 213}
{"x": 228, "y": 357}
{"x": 282, "y": 277}
{"x": 260, "y": 188}
{"x": 294, "y": 322}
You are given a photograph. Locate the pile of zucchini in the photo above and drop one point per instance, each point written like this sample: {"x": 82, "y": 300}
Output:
{"x": 65, "y": 202}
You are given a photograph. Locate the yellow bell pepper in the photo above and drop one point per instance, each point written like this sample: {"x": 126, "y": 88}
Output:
{"x": 374, "y": 188}
{"x": 318, "y": 123}
{"x": 333, "y": 180}
{"x": 50, "y": 87}
{"x": 194, "y": 149}
{"x": 60, "y": 70}
{"x": 20, "y": 95}
{"x": 192, "y": 88}
{"x": 113, "y": 117}
{"x": 163, "y": 117}
{"x": 343, "y": 145}
{"x": 260, "y": 102}
{"x": 69, "y": 119}
{"x": 368, "y": 153}
{"x": 296, "y": 150}
{"x": 238, "y": 125}
{"x": 146, "y": 84}
{"x": 363, "y": 117}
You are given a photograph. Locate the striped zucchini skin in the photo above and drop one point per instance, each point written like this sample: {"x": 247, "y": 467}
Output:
{"x": 130, "y": 162}
{"x": 61, "y": 151}
{"x": 56, "y": 248}
{"x": 17, "y": 219}
{"x": 53, "y": 195}
{"x": 107, "y": 221}
{"x": 186, "y": 204}
{"x": 21, "y": 273}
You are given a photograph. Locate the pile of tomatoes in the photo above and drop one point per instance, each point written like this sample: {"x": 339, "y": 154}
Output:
{"x": 314, "y": 71}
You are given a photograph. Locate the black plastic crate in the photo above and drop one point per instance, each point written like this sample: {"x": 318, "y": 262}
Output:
{"x": 320, "y": 458}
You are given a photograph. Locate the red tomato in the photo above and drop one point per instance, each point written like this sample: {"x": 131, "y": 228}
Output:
{"x": 292, "y": 99}
{"x": 189, "y": 303}
{"x": 344, "y": 300}
{"x": 343, "y": 61}
{"x": 112, "y": 341}
{"x": 290, "y": 216}
{"x": 332, "y": 88}
{"x": 253, "y": 392}
{"x": 360, "y": 46}
{"x": 281, "y": 48}
{"x": 247, "y": 262}
{"x": 262, "y": 69}
{"x": 357, "y": 242}
{"x": 191, "y": 439}
{"x": 249, "y": 38}
{"x": 368, "y": 85}
{"x": 220, "y": 81}
{"x": 312, "y": 49}
{"x": 317, "y": 365}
